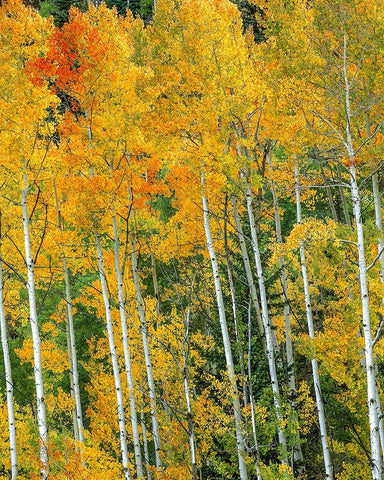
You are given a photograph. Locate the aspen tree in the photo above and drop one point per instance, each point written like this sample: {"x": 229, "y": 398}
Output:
{"x": 114, "y": 359}
{"x": 147, "y": 354}
{"x": 8, "y": 377}
{"x": 33, "y": 318}
{"x": 78, "y": 423}
{"x": 227, "y": 345}
{"x": 127, "y": 355}
{"x": 297, "y": 452}
{"x": 269, "y": 337}
{"x": 311, "y": 331}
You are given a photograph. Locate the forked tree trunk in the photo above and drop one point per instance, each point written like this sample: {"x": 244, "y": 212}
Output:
{"x": 311, "y": 332}
{"x": 227, "y": 345}
{"x": 33, "y": 318}
{"x": 114, "y": 359}
{"x": 127, "y": 355}
{"x": 8, "y": 379}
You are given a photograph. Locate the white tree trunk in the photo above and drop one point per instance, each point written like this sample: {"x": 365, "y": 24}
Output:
{"x": 311, "y": 332}
{"x": 115, "y": 365}
{"x": 269, "y": 336}
{"x": 145, "y": 441}
{"x": 72, "y": 390}
{"x": 147, "y": 354}
{"x": 372, "y": 394}
{"x": 227, "y": 345}
{"x": 72, "y": 354}
{"x": 75, "y": 372}
{"x": 8, "y": 380}
{"x": 33, "y": 318}
{"x": 297, "y": 452}
{"x": 380, "y": 246}
{"x": 251, "y": 397}
{"x": 127, "y": 355}
{"x": 234, "y": 311}
{"x": 185, "y": 351}
{"x": 247, "y": 266}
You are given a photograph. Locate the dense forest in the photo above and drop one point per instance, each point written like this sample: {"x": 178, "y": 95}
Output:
{"x": 191, "y": 240}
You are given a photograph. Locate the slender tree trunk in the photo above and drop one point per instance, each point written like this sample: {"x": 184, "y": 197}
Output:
{"x": 72, "y": 390}
{"x": 115, "y": 365}
{"x": 72, "y": 353}
{"x": 269, "y": 336}
{"x": 251, "y": 397}
{"x": 41, "y": 415}
{"x": 343, "y": 199}
{"x": 372, "y": 394}
{"x": 145, "y": 441}
{"x": 155, "y": 283}
{"x": 234, "y": 308}
{"x": 311, "y": 331}
{"x": 147, "y": 355}
{"x": 380, "y": 246}
{"x": 75, "y": 372}
{"x": 227, "y": 345}
{"x": 8, "y": 379}
{"x": 328, "y": 190}
{"x": 297, "y": 452}
{"x": 191, "y": 436}
{"x": 247, "y": 266}
{"x": 127, "y": 355}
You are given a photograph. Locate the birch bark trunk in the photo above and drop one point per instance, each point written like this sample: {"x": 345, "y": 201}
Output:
{"x": 8, "y": 380}
{"x": 78, "y": 423}
{"x": 269, "y": 334}
{"x": 311, "y": 332}
{"x": 372, "y": 393}
{"x": 147, "y": 354}
{"x": 247, "y": 266}
{"x": 227, "y": 345}
{"x": 127, "y": 355}
{"x": 115, "y": 365}
{"x": 297, "y": 452}
{"x": 33, "y": 318}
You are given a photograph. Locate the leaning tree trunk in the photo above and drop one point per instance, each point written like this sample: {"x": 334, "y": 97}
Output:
{"x": 247, "y": 266}
{"x": 8, "y": 379}
{"x": 227, "y": 345}
{"x": 115, "y": 365}
{"x": 127, "y": 355}
{"x": 33, "y": 317}
{"x": 311, "y": 332}
{"x": 269, "y": 334}
{"x": 232, "y": 290}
